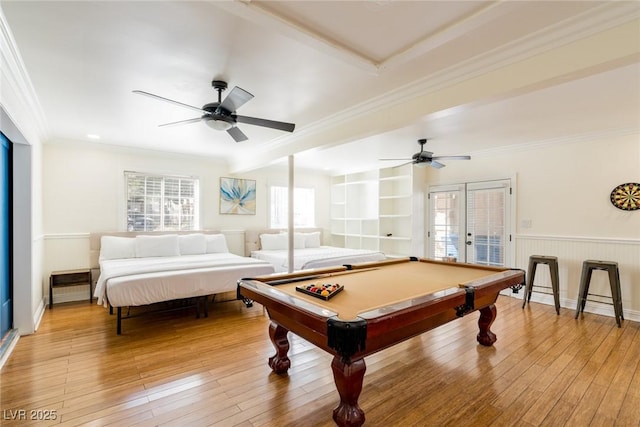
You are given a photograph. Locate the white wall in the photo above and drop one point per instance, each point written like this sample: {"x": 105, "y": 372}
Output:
{"x": 20, "y": 122}
{"x": 84, "y": 192}
{"x": 563, "y": 190}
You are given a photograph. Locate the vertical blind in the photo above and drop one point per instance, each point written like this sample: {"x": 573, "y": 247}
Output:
{"x": 486, "y": 223}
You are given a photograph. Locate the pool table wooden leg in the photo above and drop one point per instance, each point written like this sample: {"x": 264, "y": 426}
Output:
{"x": 348, "y": 378}
{"x": 487, "y": 316}
{"x": 279, "y": 362}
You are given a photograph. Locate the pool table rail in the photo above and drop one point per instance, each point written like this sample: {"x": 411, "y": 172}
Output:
{"x": 384, "y": 326}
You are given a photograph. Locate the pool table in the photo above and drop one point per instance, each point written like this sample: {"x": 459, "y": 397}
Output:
{"x": 380, "y": 304}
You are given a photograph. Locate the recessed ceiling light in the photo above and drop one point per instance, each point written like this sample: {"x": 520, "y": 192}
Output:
{"x": 93, "y": 136}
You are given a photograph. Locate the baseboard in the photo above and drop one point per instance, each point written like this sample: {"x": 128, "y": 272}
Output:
{"x": 590, "y": 307}
{"x": 7, "y": 345}
{"x": 39, "y": 313}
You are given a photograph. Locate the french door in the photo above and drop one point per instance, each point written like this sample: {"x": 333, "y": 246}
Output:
{"x": 471, "y": 222}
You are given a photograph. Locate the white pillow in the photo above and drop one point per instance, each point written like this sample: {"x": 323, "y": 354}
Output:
{"x": 112, "y": 247}
{"x": 299, "y": 240}
{"x": 153, "y": 246}
{"x": 312, "y": 240}
{"x": 269, "y": 242}
{"x": 192, "y": 244}
{"x": 216, "y": 243}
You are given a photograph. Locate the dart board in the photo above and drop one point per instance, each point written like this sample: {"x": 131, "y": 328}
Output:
{"x": 626, "y": 196}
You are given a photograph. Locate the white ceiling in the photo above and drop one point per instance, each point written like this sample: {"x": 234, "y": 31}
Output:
{"x": 361, "y": 80}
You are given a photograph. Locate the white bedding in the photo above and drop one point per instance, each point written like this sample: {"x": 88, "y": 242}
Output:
{"x": 141, "y": 281}
{"x": 323, "y": 256}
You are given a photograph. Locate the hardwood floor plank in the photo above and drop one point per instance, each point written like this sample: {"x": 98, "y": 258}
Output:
{"x": 171, "y": 369}
{"x": 558, "y": 415}
{"x": 585, "y": 409}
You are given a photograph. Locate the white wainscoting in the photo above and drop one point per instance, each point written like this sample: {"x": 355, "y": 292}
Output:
{"x": 571, "y": 252}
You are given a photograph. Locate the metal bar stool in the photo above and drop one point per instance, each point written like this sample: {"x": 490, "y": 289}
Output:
{"x": 552, "y": 262}
{"x": 614, "y": 281}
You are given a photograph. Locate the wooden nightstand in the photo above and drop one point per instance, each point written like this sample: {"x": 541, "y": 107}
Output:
{"x": 59, "y": 279}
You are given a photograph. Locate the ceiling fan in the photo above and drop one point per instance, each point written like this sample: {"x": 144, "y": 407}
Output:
{"x": 222, "y": 115}
{"x": 426, "y": 158}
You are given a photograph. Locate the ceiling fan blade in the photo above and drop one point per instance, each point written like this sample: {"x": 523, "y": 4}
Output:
{"x": 150, "y": 95}
{"x": 436, "y": 165}
{"x": 182, "y": 122}
{"x": 236, "y": 98}
{"x": 237, "y": 134}
{"x": 452, "y": 157}
{"x": 402, "y": 164}
{"x": 287, "y": 127}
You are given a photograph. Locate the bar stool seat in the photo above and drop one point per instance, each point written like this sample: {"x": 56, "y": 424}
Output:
{"x": 552, "y": 262}
{"x": 614, "y": 281}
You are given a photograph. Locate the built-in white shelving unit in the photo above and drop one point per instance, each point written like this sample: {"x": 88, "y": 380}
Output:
{"x": 379, "y": 210}
{"x": 354, "y": 207}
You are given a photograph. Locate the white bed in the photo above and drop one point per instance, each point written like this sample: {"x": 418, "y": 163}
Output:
{"x": 148, "y": 269}
{"x": 142, "y": 281}
{"x": 323, "y": 256}
{"x": 308, "y": 252}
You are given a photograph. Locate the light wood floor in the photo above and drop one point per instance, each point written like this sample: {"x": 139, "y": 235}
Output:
{"x": 174, "y": 369}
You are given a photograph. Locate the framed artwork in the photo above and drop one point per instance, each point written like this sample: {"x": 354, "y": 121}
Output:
{"x": 237, "y": 196}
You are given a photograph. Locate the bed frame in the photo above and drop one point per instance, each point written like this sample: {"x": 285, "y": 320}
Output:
{"x": 94, "y": 265}
{"x": 95, "y": 238}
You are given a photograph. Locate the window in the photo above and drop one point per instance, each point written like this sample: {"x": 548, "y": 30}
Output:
{"x": 157, "y": 202}
{"x": 303, "y": 210}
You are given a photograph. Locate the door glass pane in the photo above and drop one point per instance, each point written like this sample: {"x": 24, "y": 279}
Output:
{"x": 486, "y": 225}
{"x": 445, "y": 224}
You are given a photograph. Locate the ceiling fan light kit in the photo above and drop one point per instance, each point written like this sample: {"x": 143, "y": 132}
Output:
{"x": 217, "y": 124}
{"x": 221, "y": 115}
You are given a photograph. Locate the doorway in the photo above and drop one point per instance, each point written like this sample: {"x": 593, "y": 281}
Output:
{"x": 471, "y": 222}
{"x": 6, "y": 305}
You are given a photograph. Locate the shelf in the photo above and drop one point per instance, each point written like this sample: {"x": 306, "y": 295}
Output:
{"x": 395, "y": 178}
{"x": 367, "y": 236}
{"x": 80, "y": 277}
{"x": 358, "y": 219}
{"x": 403, "y": 196}
{"x": 361, "y": 182}
{"x": 368, "y": 205}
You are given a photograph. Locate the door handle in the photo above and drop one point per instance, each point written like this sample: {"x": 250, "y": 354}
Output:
{"x": 468, "y": 242}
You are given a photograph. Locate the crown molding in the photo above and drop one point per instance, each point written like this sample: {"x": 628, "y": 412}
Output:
{"x": 18, "y": 95}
